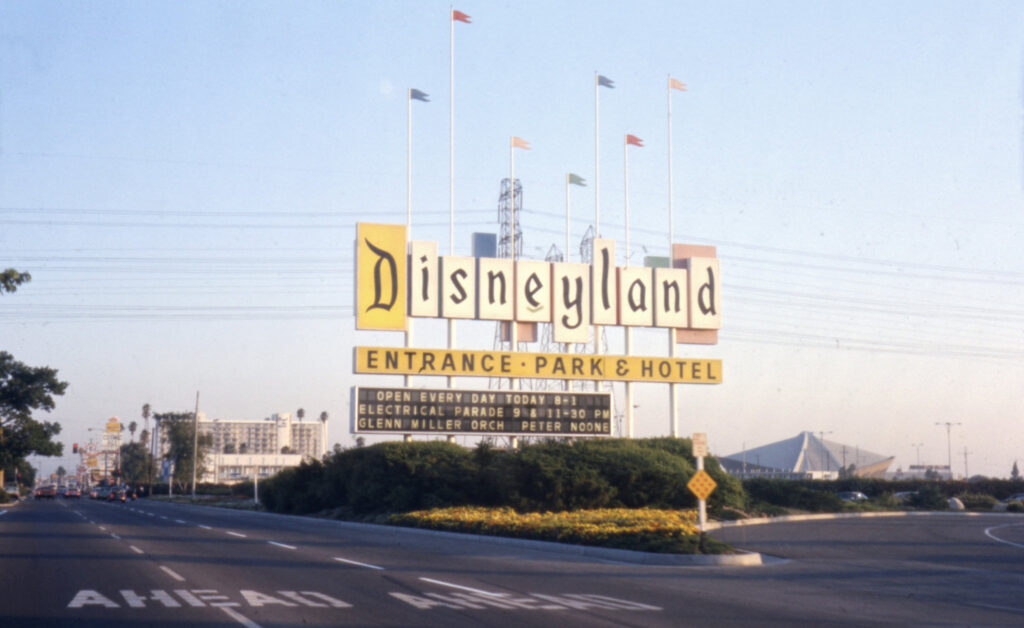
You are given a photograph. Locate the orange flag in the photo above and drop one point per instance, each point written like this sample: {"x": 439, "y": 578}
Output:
{"x": 518, "y": 142}
{"x": 674, "y": 84}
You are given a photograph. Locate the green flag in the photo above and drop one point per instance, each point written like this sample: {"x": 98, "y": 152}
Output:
{"x": 576, "y": 179}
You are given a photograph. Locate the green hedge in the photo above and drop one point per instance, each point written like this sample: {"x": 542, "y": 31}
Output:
{"x": 554, "y": 475}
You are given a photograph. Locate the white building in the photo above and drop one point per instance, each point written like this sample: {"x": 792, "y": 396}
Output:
{"x": 806, "y": 456}
{"x": 243, "y": 449}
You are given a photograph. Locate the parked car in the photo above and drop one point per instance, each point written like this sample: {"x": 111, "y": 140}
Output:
{"x": 1016, "y": 497}
{"x": 852, "y": 496}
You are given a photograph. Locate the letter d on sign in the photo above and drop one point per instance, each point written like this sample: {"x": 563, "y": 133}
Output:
{"x": 380, "y": 276}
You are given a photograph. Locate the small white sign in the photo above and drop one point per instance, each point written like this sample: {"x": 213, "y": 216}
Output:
{"x": 700, "y": 444}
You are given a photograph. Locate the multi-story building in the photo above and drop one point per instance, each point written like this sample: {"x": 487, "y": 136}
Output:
{"x": 244, "y": 449}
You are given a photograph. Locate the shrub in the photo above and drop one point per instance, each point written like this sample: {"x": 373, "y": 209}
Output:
{"x": 977, "y": 501}
{"x": 4, "y": 497}
{"x": 930, "y": 497}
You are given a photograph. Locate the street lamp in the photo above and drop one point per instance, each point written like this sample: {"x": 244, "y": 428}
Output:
{"x": 918, "y": 446}
{"x": 949, "y": 448}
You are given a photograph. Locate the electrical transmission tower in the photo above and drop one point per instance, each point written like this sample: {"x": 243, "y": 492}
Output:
{"x": 509, "y": 200}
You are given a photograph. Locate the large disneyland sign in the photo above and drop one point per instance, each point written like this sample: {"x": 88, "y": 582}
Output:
{"x": 397, "y": 279}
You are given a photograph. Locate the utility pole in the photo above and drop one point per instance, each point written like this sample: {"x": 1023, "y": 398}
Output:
{"x": 918, "y": 446}
{"x": 949, "y": 447}
{"x": 195, "y": 445}
{"x": 966, "y": 475}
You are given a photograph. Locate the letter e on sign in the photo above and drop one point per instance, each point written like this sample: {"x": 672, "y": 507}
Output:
{"x": 380, "y": 276}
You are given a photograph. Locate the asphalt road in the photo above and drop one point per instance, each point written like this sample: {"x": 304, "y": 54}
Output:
{"x": 84, "y": 563}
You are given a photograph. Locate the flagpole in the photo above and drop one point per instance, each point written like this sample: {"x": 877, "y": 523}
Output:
{"x": 408, "y": 207}
{"x": 451, "y": 159}
{"x": 568, "y": 345}
{"x": 629, "y": 328}
{"x": 513, "y": 327}
{"x": 597, "y": 161}
{"x": 672, "y": 349}
{"x": 597, "y": 201}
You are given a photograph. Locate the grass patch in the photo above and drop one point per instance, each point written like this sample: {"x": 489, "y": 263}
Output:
{"x": 639, "y": 529}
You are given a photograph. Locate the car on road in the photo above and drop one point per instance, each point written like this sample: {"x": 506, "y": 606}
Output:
{"x": 116, "y": 494}
{"x": 852, "y": 496}
{"x": 100, "y": 492}
{"x": 47, "y": 491}
{"x": 11, "y": 490}
{"x": 72, "y": 492}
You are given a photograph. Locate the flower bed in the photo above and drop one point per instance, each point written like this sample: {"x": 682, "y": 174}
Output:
{"x": 647, "y": 530}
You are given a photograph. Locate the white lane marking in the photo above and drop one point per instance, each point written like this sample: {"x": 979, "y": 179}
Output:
{"x": 163, "y": 517}
{"x": 232, "y": 533}
{"x": 358, "y": 564}
{"x": 3, "y": 512}
{"x": 988, "y": 533}
{"x": 149, "y": 514}
{"x": 205, "y": 527}
{"x": 459, "y": 586}
{"x": 282, "y": 545}
{"x": 180, "y": 521}
{"x": 240, "y": 618}
{"x": 170, "y": 572}
{"x": 136, "y": 550}
{"x": 115, "y": 536}
{"x": 103, "y": 528}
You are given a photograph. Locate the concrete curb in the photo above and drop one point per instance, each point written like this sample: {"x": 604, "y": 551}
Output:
{"x": 719, "y": 525}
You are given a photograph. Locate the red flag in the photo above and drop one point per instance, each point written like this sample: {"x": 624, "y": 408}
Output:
{"x": 634, "y": 140}
{"x": 459, "y": 16}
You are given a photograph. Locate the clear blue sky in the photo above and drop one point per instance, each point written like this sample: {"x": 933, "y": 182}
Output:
{"x": 183, "y": 179}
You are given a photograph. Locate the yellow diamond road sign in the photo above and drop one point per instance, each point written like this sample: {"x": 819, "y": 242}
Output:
{"x": 701, "y": 484}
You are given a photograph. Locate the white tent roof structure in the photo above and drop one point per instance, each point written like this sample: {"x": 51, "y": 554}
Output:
{"x": 806, "y": 456}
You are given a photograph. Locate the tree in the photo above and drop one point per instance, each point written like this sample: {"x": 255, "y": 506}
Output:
{"x": 61, "y": 472}
{"x": 131, "y": 429}
{"x": 10, "y": 279}
{"x": 300, "y": 413}
{"x": 136, "y": 463}
{"x": 24, "y": 389}
{"x": 1015, "y": 473}
{"x": 178, "y": 427}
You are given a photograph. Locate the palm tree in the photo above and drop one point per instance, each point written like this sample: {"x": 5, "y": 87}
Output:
{"x": 300, "y": 413}
{"x": 131, "y": 430}
{"x": 145, "y": 414}
{"x": 323, "y": 416}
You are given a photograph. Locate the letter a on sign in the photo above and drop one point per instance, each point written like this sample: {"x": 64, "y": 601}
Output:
{"x": 380, "y": 276}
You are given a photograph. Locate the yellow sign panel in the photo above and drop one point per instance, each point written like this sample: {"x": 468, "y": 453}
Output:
{"x": 113, "y": 425}
{"x": 455, "y": 362}
{"x": 701, "y": 484}
{"x": 380, "y": 276}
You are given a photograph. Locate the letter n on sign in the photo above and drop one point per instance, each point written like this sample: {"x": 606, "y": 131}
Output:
{"x": 380, "y": 276}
